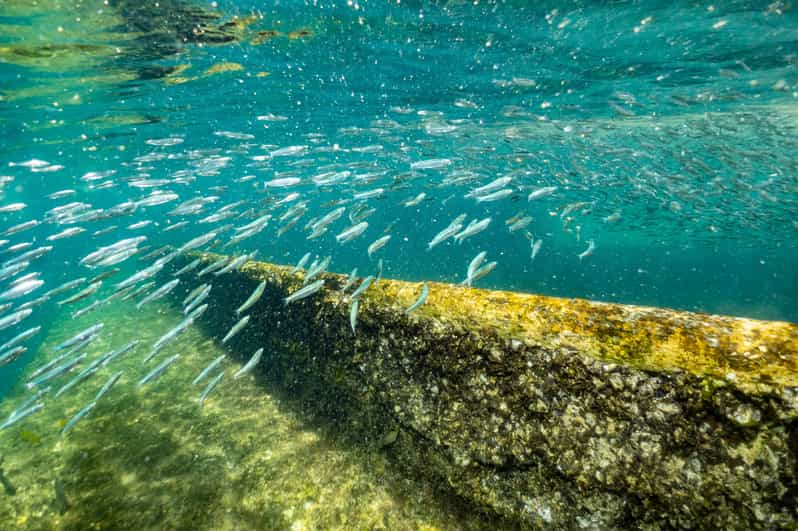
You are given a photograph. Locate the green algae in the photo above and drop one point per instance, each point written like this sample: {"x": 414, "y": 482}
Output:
{"x": 153, "y": 458}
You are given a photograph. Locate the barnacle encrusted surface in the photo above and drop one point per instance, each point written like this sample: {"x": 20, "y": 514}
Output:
{"x": 540, "y": 409}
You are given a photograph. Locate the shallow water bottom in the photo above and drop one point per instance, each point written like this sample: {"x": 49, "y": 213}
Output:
{"x": 152, "y": 457}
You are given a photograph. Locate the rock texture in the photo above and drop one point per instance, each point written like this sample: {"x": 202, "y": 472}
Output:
{"x": 544, "y": 411}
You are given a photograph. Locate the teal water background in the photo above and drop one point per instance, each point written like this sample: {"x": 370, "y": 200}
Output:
{"x": 671, "y": 126}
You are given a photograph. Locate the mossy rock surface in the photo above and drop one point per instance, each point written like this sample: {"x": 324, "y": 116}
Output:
{"x": 543, "y": 410}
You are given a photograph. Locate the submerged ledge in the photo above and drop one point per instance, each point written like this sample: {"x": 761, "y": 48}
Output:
{"x": 543, "y": 410}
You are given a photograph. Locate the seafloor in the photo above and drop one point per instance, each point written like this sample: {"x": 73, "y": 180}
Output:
{"x": 152, "y": 458}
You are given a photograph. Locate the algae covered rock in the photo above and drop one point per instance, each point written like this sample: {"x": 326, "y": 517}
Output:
{"x": 544, "y": 410}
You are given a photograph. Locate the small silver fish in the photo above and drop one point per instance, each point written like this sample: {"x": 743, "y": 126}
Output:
{"x": 253, "y": 298}
{"x": 108, "y": 385}
{"x": 304, "y": 292}
{"x": 236, "y": 328}
{"x": 353, "y": 313}
{"x": 111, "y": 356}
{"x": 56, "y": 371}
{"x": 352, "y": 232}
{"x": 207, "y": 370}
{"x": 80, "y": 336}
{"x": 542, "y": 192}
{"x": 210, "y": 387}
{"x": 159, "y": 370}
{"x": 254, "y": 360}
{"x": 14, "y": 318}
{"x": 591, "y": 246}
{"x": 189, "y": 267}
{"x": 21, "y": 415}
{"x": 378, "y": 244}
{"x": 302, "y": 261}
{"x": 78, "y": 416}
{"x": 422, "y": 298}
{"x": 362, "y": 287}
{"x": 158, "y": 293}
{"x": 85, "y": 292}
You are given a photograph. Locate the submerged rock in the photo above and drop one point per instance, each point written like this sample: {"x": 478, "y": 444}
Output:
{"x": 547, "y": 411}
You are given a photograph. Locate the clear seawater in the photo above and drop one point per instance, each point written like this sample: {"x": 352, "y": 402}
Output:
{"x": 667, "y": 128}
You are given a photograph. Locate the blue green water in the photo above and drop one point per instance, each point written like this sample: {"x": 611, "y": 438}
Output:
{"x": 668, "y": 129}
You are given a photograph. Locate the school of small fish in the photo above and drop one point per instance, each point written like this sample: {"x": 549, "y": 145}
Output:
{"x": 416, "y": 184}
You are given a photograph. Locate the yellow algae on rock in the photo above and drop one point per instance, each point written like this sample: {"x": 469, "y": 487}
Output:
{"x": 542, "y": 410}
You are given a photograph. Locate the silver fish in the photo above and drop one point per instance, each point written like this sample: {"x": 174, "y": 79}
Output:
{"x": 78, "y": 416}
{"x": 495, "y": 196}
{"x": 350, "y": 281}
{"x": 352, "y": 232}
{"x": 302, "y": 261}
{"x": 541, "y": 192}
{"x": 253, "y": 298}
{"x": 353, "y": 307}
{"x": 30, "y": 400}
{"x": 89, "y": 290}
{"x": 179, "y": 329}
{"x": 11, "y": 355}
{"x": 158, "y": 371}
{"x": 236, "y": 329}
{"x": 591, "y": 246}
{"x": 19, "y": 338}
{"x": 21, "y": 415}
{"x": 520, "y": 224}
{"x": 378, "y": 244}
{"x": 108, "y": 385}
{"x": 207, "y": 370}
{"x": 492, "y": 186}
{"x": 197, "y": 300}
{"x": 536, "y": 245}
{"x": 473, "y": 228}
{"x": 362, "y": 287}
{"x": 214, "y": 266}
{"x": 210, "y": 387}
{"x": 158, "y": 293}
{"x": 55, "y": 372}
{"x": 306, "y": 291}
{"x": 82, "y": 375}
{"x": 111, "y": 356}
{"x": 379, "y": 272}
{"x": 144, "y": 274}
{"x": 422, "y": 298}
{"x": 452, "y": 229}
{"x": 316, "y": 269}
{"x": 13, "y": 269}
{"x": 254, "y": 360}
{"x": 473, "y": 266}
{"x": 415, "y": 201}
{"x": 236, "y": 263}
{"x": 194, "y": 293}
{"x": 430, "y": 164}
{"x": 28, "y": 256}
{"x": 199, "y": 241}
{"x": 80, "y": 336}
{"x": 189, "y": 267}
{"x": 482, "y": 271}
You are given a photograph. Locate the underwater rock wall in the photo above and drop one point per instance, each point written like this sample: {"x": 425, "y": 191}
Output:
{"x": 545, "y": 411}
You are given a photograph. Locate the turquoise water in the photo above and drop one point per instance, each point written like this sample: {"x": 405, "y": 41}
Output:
{"x": 667, "y": 129}
{"x": 633, "y": 152}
